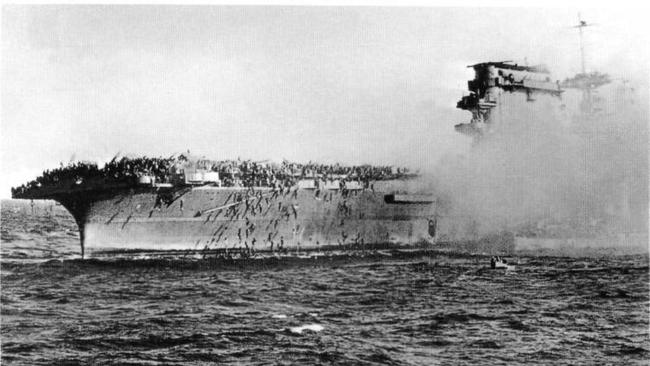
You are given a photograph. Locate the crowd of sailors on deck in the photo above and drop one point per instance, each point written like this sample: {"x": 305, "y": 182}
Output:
{"x": 124, "y": 169}
{"x": 129, "y": 168}
{"x": 262, "y": 174}
{"x": 244, "y": 173}
{"x": 73, "y": 172}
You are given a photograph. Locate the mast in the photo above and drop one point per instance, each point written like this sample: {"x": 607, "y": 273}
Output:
{"x": 582, "y": 24}
{"x": 587, "y": 89}
{"x": 587, "y": 83}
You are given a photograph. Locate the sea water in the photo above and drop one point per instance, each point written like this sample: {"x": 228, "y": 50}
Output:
{"x": 428, "y": 310}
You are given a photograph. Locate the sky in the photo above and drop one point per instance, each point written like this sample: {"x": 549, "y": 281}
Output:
{"x": 353, "y": 85}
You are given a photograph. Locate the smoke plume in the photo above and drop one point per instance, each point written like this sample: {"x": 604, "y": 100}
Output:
{"x": 554, "y": 171}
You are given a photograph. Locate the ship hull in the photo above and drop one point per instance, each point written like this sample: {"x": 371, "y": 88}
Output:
{"x": 630, "y": 243}
{"x": 128, "y": 220}
{"x": 212, "y": 218}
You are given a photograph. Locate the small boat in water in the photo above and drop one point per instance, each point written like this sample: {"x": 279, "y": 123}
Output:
{"x": 497, "y": 262}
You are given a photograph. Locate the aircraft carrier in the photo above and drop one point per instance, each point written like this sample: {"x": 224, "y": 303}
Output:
{"x": 185, "y": 204}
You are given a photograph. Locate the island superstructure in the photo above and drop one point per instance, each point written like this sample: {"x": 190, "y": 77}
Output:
{"x": 498, "y": 87}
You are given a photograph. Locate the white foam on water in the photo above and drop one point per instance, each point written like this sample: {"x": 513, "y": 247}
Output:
{"x": 310, "y": 327}
{"x": 278, "y": 316}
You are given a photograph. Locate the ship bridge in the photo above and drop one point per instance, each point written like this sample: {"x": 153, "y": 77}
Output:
{"x": 491, "y": 79}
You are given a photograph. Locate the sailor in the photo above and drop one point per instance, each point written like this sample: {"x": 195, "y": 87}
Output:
{"x": 295, "y": 211}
